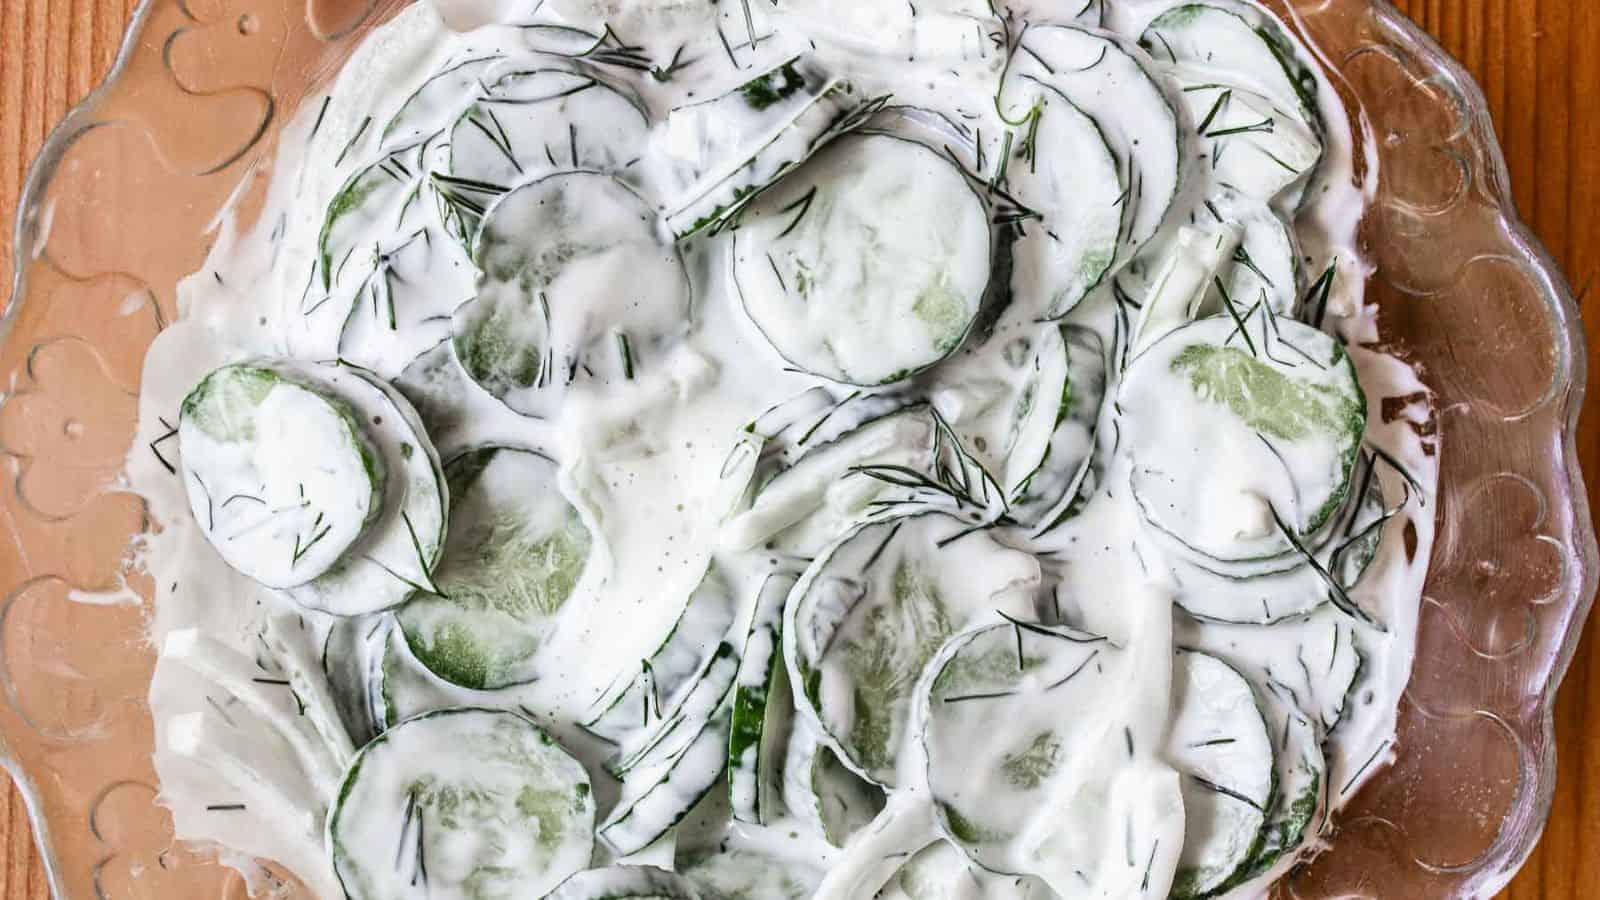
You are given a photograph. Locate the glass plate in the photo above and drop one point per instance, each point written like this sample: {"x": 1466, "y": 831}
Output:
{"x": 121, "y": 204}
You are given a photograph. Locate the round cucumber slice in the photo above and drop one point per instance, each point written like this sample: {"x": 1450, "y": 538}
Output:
{"x": 457, "y": 415}
{"x": 352, "y": 660}
{"x": 403, "y": 688}
{"x": 514, "y": 554}
{"x": 660, "y": 683}
{"x": 1254, "y": 600}
{"x": 761, "y": 703}
{"x": 417, "y": 276}
{"x": 1071, "y": 178}
{"x": 873, "y": 609}
{"x": 625, "y": 883}
{"x": 429, "y": 109}
{"x": 723, "y": 152}
{"x": 395, "y": 557}
{"x": 574, "y": 284}
{"x": 471, "y": 802}
{"x": 940, "y": 872}
{"x": 374, "y": 203}
{"x": 829, "y": 486}
{"x": 1274, "y": 422}
{"x": 1299, "y": 770}
{"x": 1252, "y": 53}
{"x": 664, "y": 787}
{"x": 281, "y": 475}
{"x": 821, "y": 791}
{"x": 742, "y": 875}
{"x": 1218, "y": 741}
{"x": 869, "y": 264}
{"x": 1111, "y": 82}
{"x": 1266, "y": 264}
{"x": 703, "y": 699}
{"x": 1250, "y": 144}
{"x": 1053, "y": 439}
{"x": 1312, "y": 660}
{"x": 999, "y": 714}
{"x": 1271, "y": 590}
{"x": 532, "y": 122}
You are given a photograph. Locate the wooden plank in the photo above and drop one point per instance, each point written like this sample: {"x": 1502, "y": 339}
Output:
{"x": 1539, "y": 64}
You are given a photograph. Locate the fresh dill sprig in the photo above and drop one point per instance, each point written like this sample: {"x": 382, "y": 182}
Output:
{"x": 1265, "y": 126}
{"x": 1317, "y": 296}
{"x": 1216, "y": 108}
{"x": 1074, "y": 673}
{"x": 361, "y": 130}
{"x": 1228, "y": 792}
{"x": 155, "y": 445}
{"x": 625, "y": 354}
{"x": 1233, "y": 311}
{"x": 1336, "y": 591}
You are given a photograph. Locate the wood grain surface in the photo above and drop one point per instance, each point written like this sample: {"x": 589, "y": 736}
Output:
{"x": 1538, "y": 62}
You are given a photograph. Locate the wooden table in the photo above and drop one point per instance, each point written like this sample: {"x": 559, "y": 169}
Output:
{"x": 1537, "y": 60}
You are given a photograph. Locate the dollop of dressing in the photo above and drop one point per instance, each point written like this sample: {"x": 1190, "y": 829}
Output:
{"x": 951, "y": 460}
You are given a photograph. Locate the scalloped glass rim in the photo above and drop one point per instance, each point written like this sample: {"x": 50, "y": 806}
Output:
{"x": 119, "y": 204}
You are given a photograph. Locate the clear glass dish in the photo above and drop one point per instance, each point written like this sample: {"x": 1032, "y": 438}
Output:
{"x": 121, "y": 204}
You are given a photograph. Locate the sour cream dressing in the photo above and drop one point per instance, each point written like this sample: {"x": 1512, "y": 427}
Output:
{"x": 650, "y": 430}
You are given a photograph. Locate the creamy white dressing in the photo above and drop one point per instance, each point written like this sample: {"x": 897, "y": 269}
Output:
{"x": 652, "y": 358}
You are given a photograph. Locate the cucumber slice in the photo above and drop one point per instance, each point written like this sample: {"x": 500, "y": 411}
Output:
{"x": 703, "y": 698}
{"x": 1054, "y": 439}
{"x": 874, "y": 608}
{"x": 403, "y": 688}
{"x": 1067, "y": 173}
{"x": 395, "y": 557}
{"x": 281, "y": 475}
{"x": 1218, "y": 741}
{"x": 761, "y": 702}
{"x": 513, "y": 557}
{"x": 823, "y": 792}
{"x": 1251, "y": 145}
{"x": 471, "y": 802}
{"x": 831, "y": 484}
{"x": 1186, "y": 276}
{"x": 1313, "y": 660}
{"x": 940, "y": 872}
{"x": 1275, "y": 423}
{"x": 415, "y": 277}
{"x": 1357, "y": 532}
{"x": 998, "y": 724}
{"x": 1255, "y": 600}
{"x": 625, "y": 883}
{"x": 375, "y": 203}
{"x": 868, "y": 265}
{"x": 659, "y": 792}
{"x": 574, "y": 283}
{"x": 1252, "y": 53}
{"x": 430, "y": 109}
{"x": 1090, "y": 13}
{"x": 742, "y": 875}
{"x": 1111, "y": 82}
{"x": 729, "y": 149}
{"x": 661, "y": 681}
{"x": 352, "y": 658}
{"x": 1270, "y": 590}
{"x": 1266, "y": 264}
{"x": 457, "y": 415}
{"x": 530, "y": 123}
{"x": 1298, "y": 774}
{"x": 948, "y": 33}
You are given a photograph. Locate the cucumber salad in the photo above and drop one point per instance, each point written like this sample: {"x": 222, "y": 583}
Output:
{"x": 787, "y": 449}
